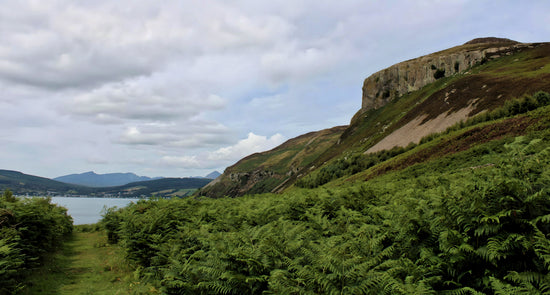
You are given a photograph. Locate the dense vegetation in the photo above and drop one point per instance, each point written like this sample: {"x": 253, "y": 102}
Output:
{"x": 29, "y": 228}
{"x": 471, "y": 222}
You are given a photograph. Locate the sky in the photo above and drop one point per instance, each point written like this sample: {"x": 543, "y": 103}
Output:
{"x": 182, "y": 88}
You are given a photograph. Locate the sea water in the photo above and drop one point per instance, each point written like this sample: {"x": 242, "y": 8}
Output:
{"x": 88, "y": 210}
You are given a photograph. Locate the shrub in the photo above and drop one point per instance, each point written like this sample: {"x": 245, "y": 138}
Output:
{"x": 29, "y": 228}
{"x": 542, "y": 98}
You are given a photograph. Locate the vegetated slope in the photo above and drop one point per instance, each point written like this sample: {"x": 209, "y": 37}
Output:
{"x": 93, "y": 179}
{"x": 472, "y": 220}
{"x": 264, "y": 172}
{"x": 407, "y": 119}
{"x": 404, "y": 103}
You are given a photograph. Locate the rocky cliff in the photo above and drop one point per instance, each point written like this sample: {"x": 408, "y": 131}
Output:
{"x": 402, "y": 78}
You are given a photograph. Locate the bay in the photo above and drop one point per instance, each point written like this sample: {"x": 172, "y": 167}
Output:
{"x": 88, "y": 210}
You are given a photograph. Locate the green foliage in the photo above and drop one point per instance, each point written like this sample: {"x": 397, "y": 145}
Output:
{"x": 28, "y": 229}
{"x": 349, "y": 165}
{"x": 542, "y": 98}
{"x": 481, "y": 230}
{"x": 8, "y": 196}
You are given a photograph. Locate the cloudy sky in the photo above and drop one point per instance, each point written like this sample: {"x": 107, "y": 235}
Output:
{"x": 182, "y": 88}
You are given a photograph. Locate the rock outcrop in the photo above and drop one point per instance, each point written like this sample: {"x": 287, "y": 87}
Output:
{"x": 402, "y": 78}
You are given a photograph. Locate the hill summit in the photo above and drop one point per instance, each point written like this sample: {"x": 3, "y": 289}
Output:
{"x": 490, "y": 40}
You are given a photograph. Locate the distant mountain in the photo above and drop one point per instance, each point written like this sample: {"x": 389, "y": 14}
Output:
{"x": 213, "y": 175}
{"x": 92, "y": 179}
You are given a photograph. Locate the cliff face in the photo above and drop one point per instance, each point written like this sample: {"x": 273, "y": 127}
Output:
{"x": 397, "y": 80}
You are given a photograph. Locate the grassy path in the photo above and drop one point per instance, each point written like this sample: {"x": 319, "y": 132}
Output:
{"x": 86, "y": 265}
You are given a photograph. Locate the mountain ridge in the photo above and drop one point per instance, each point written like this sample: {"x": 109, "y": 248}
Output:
{"x": 93, "y": 179}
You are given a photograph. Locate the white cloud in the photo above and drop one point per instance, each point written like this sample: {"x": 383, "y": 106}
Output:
{"x": 224, "y": 156}
{"x": 252, "y": 144}
{"x": 181, "y": 161}
{"x": 186, "y": 134}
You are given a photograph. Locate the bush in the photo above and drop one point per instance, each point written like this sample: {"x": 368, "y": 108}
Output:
{"x": 29, "y": 228}
{"x": 542, "y": 98}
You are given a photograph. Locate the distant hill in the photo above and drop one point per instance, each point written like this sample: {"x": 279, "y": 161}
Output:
{"x": 20, "y": 183}
{"x": 213, "y": 175}
{"x": 24, "y": 184}
{"x": 164, "y": 187}
{"x": 92, "y": 179}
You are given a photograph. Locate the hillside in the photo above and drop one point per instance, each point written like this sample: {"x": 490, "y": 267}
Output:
{"x": 401, "y": 105}
{"x": 266, "y": 171}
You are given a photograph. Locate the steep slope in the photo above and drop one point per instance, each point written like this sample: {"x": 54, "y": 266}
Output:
{"x": 413, "y": 99}
{"x": 266, "y": 171}
{"x": 407, "y": 119}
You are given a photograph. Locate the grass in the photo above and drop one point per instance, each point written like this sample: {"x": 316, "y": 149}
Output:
{"x": 86, "y": 265}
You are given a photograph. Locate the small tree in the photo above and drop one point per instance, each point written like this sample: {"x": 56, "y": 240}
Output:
{"x": 8, "y": 196}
